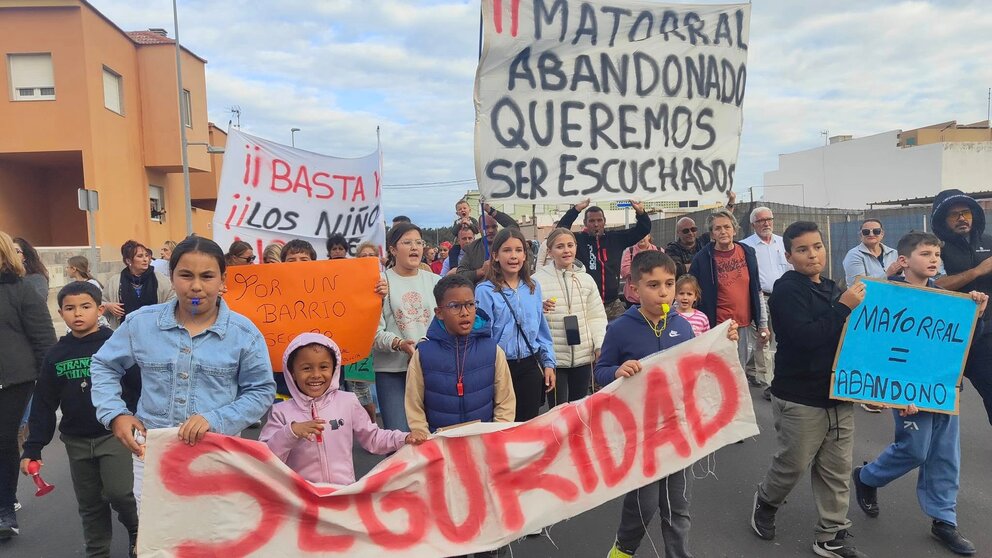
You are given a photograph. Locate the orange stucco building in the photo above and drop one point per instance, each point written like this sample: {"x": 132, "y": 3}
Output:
{"x": 89, "y": 105}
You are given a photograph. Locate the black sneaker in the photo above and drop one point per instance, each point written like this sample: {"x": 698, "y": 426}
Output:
{"x": 763, "y": 518}
{"x": 948, "y": 535}
{"x": 8, "y": 524}
{"x": 866, "y": 496}
{"x": 838, "y": 547}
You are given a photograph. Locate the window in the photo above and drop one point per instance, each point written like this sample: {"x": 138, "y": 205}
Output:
{"x": 156, "y": 201}
{"x": 31, "y": 77}
{"x": 113, "y": 93}
{"x": 187, "y": 111}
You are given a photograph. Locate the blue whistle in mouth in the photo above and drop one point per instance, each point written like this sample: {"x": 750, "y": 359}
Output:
{"x": 195, "y": 302}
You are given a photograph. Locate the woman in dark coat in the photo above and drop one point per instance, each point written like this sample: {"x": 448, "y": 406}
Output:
{"x": 26, "y": 334}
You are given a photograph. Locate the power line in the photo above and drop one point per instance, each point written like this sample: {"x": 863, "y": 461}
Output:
{"x": 432, "y": 183}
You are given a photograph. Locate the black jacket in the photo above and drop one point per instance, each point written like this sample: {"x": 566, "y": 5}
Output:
{"x": 808, "y": 322}
{"x": 65, "y": 382}
{"x": 26, "y": 331}
{"x": 704, "y": 270}
{"x": 961, "y": 253}
{"x": 601, "y": 255}
{"x": 682, "y": 255}
{"x": 476, "y": 252}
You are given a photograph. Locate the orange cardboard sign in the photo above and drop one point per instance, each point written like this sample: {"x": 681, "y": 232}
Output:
{"x": 333, "y": 297}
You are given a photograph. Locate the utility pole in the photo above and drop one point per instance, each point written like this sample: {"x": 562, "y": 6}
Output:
{"x": 182, "y": 124}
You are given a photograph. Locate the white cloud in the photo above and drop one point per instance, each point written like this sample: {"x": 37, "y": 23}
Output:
{"x": 337, "y": 69}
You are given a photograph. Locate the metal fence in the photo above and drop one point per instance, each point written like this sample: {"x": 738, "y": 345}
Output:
{"x": 841, "y": 228}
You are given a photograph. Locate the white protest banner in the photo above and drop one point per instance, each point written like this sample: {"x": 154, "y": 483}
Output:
{"x": 270, "y": 192}
{"x": 614, "y": 99}
{"x": 475, "y": 488}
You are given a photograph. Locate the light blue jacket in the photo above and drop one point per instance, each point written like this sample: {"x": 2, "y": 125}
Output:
{"x": 529, "y": 309}
{"x": 223, "y": 374}
{"x": 859, "y": 261}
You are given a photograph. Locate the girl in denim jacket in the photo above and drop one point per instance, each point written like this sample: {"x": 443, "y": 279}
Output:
{"x": 203, "y": 367}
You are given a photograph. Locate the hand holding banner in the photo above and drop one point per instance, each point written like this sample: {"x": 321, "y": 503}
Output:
{"x": 905, "y": 344}
{"x": 614, "y": 99}
{"x": 474, "y": 489}
{"x": 273, "y": 193}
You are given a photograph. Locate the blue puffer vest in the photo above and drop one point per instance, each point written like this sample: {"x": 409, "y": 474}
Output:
{"x": 442, "y": 404}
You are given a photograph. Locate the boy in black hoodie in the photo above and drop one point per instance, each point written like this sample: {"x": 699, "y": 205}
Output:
{"x": 99, "y": 464}
{"x": 813, "y": 431}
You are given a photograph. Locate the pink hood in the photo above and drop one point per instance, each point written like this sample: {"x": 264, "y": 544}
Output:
{"x": 329, "y": 460}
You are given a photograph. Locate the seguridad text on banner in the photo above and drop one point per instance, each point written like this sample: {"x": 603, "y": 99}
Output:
{"x": 271, "y": 192}
{"x": 609, "y": 99}
{"x": 469, "y": 490}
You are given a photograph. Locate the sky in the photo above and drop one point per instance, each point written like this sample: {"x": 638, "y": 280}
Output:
{"x": 337, "y": 69}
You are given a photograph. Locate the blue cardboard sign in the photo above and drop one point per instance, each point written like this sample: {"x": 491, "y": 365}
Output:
{"x": 905, "y": 344}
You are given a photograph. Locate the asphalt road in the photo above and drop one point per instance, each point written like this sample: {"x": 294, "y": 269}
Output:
{"x": 50, "y": 527}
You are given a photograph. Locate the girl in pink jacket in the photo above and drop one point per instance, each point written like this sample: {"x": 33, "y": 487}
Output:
{"x": 313, "y": 432}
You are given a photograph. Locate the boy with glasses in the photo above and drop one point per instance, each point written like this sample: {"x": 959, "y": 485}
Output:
{"x": 458, "y": 373}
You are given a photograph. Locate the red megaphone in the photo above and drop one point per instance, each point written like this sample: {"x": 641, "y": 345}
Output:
{"x": 43, "y": 487}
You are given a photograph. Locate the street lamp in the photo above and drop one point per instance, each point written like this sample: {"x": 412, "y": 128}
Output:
{"x": 292, "y": 135}
{"x": 182, "y": 125}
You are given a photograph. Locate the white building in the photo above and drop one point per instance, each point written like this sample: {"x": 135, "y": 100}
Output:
{"x": 894, "y": 165}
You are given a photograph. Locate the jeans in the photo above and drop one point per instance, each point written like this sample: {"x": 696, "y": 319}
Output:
{"x": 821, "y": 440}
{"x": 572, "y": 385}
{"x": 746, "y": 345}
{"x": 13, "y": 399}
{"x": 391, "y": 390}
{"x": 932, "y": 443}
{"x": 670, "y": 496}
{"x": 102, "y": 479}
{"x": 761, "y": 365}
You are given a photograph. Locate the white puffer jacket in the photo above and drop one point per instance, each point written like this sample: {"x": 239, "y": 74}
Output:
{"x": 576, "y": 294}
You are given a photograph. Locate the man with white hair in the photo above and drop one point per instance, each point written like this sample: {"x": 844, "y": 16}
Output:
{"x": 770, "y": 253}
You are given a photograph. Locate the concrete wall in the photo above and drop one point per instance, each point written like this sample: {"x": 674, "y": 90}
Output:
{"x": 967, "y": 166}
{"x": 855, "y": 173}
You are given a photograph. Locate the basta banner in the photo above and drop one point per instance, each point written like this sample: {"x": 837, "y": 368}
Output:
{"x": 271, "y": 192}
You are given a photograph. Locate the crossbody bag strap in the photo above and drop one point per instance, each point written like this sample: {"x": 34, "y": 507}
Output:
{"x": 516, "y": 321}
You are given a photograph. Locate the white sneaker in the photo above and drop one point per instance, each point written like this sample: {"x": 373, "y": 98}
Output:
{"x": 17, "y": 506}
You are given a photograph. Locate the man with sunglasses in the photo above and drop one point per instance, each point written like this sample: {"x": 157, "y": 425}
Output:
{"x": 770, "y": 253}
{"x": 871, "y": 258}
{"x": 685, "y": 247}
{"x": 600, "y": 251}
{"x": 959, "y": 221}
